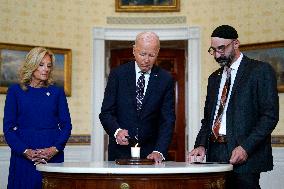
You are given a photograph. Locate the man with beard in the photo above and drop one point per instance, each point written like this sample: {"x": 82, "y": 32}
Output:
{"x": 241, "y": 110}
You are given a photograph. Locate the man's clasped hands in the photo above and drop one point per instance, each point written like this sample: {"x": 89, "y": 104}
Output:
{"x": 40, "y": 156}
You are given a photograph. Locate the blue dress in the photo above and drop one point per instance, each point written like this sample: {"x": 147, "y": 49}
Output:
{"x": 36, "y": 118}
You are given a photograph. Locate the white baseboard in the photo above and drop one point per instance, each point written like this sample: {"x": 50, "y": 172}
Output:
{"x": 76, "y": 153}
{"x": 272, "y": 179}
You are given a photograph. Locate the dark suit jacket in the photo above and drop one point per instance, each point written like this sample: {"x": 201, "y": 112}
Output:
{"x": 252, "y": 113}
{"x": 155, "y": 122}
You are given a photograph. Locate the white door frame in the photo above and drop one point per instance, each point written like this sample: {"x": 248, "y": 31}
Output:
{"x": 192, "y": 88}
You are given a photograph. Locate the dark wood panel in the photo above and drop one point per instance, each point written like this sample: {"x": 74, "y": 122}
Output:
{"x": 115, "y": 181}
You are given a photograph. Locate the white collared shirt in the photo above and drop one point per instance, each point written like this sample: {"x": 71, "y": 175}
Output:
{"x": 234, "y": 69}
{"x": 138, "y": 74}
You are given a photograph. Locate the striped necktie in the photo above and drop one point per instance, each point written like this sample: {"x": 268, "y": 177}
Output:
{"x": 224, "y": 96}
{"x": 140, "y": 91}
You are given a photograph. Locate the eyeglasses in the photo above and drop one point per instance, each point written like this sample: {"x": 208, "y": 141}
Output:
{"x": 219, "y": 49}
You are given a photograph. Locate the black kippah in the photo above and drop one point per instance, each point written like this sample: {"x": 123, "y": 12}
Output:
{"x": 225, "y": 32}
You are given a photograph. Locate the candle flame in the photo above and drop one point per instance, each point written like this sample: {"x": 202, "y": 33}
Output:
{"x": 136, "y": 144}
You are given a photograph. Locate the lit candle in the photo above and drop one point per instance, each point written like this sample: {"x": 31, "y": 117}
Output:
{"x": 135, "y": 151}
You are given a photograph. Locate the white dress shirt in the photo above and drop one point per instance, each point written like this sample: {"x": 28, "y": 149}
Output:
{"x": 138, "y": 74}
{"x": 234, "y": 69}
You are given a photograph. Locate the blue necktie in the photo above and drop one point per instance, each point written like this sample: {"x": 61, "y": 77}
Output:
{"x": 140, "y": 91}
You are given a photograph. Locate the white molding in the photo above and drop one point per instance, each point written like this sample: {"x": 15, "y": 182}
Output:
{"x": 129, "y": 34}
{"x": 97, "y": 136}
{"x": 78, "y": 153}
{"x": 193, "y": 89}
{"x": 4, "y": 153}
{"x": 100, "y": 35}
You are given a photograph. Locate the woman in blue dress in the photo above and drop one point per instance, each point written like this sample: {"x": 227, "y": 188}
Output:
{"x": 36, "y": 122}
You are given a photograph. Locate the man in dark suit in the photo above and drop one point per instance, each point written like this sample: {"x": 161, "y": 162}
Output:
{"x": 139, "y": 103}
{"x": 241, "y": 111}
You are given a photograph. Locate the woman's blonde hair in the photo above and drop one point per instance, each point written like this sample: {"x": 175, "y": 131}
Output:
{"x": 32, "y": 61}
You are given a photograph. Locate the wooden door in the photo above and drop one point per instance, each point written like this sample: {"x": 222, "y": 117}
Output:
{"x": 172, "y": 60}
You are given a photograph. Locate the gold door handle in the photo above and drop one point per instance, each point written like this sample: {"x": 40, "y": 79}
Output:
{"x": 124, "y": 186}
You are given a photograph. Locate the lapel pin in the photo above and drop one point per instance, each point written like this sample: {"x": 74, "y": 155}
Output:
{"x": 48, "y": 93}
{"x": 155, "y": 75}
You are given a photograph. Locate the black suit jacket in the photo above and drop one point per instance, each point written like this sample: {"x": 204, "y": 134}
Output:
{"x": 155, "y": 122}
{"x": 252, "y": 113}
